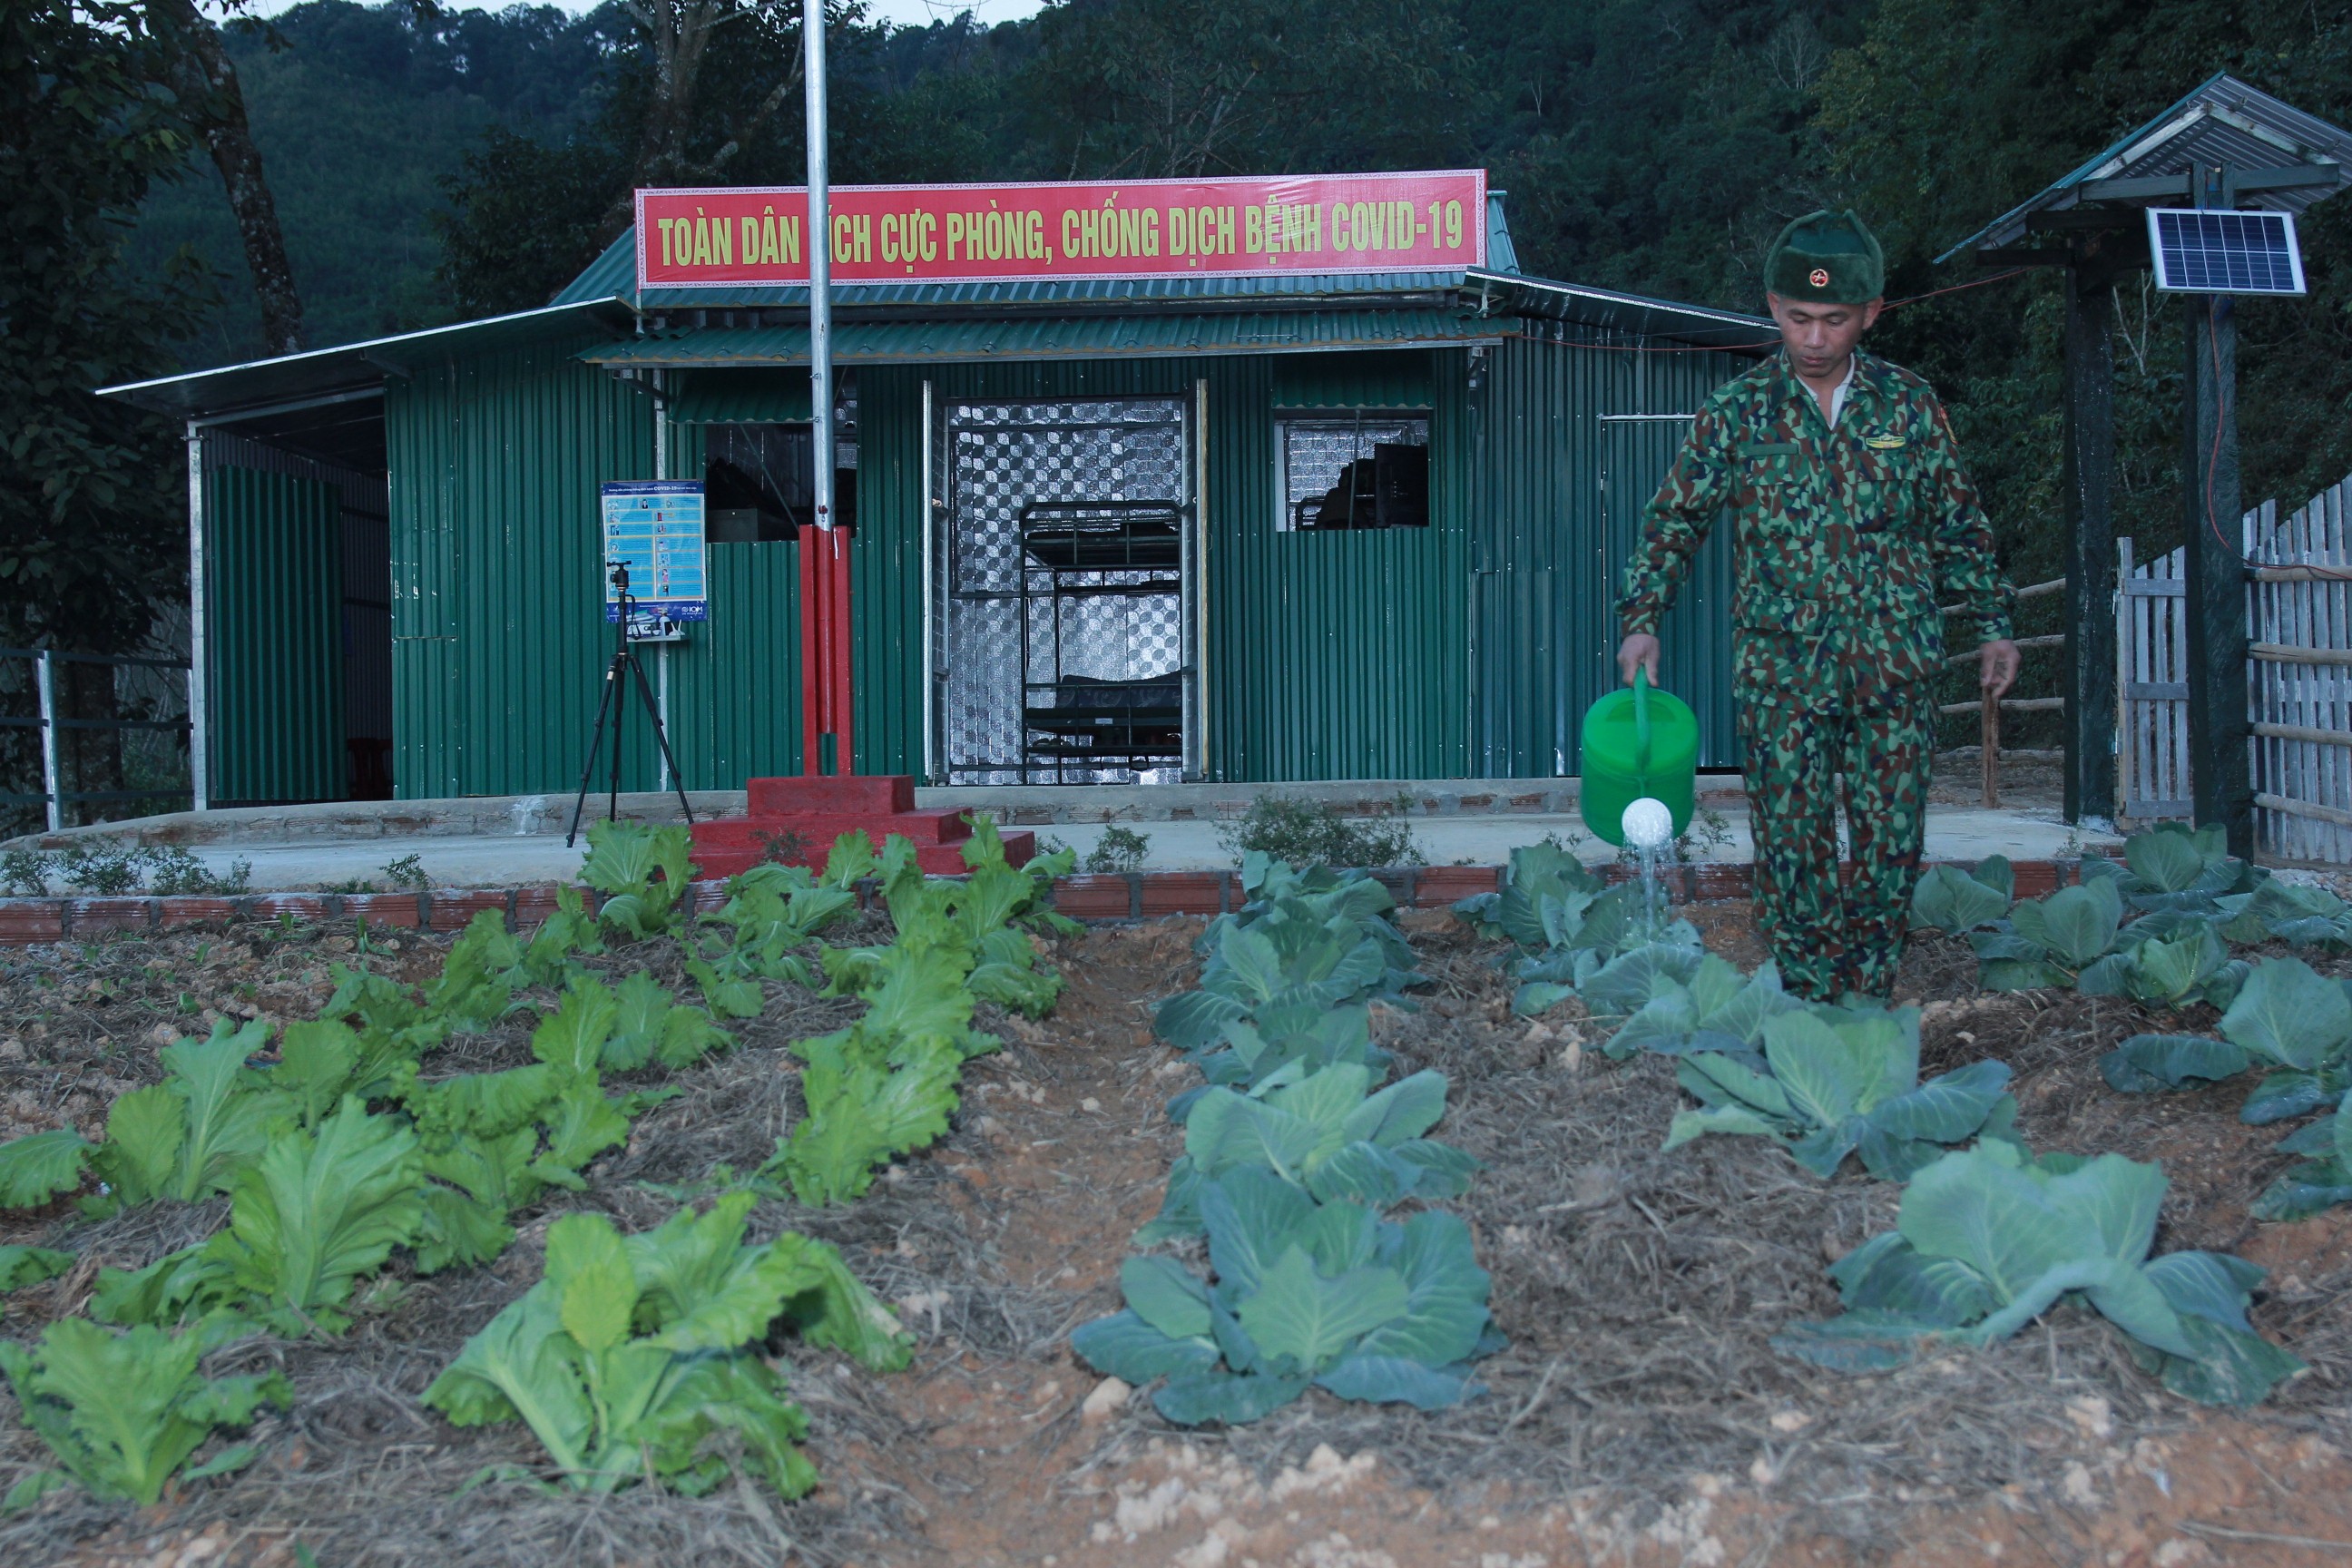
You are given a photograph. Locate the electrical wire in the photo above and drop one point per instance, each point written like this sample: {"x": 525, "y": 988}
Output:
{"x": 2213, "y": 461}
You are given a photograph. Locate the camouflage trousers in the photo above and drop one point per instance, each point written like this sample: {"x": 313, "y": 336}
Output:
{"x": 1828, "y": 938}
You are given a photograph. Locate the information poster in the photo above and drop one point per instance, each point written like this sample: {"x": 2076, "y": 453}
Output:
{"x": 654, "y": 529}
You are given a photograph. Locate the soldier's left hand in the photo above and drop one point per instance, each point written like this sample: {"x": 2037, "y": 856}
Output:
{"x": 1997, "y": 663}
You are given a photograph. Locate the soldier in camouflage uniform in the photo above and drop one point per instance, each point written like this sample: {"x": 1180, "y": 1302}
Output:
{"x": 1854, "y": 519}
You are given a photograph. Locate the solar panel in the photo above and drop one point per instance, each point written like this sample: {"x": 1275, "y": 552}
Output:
{"x": 2211, "y": 251}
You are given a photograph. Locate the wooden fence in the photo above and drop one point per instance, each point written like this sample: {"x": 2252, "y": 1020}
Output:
{"x": 2298, "y": 682}
{"x": 2152, "y": 686}
{"x": 2300, "y": 619}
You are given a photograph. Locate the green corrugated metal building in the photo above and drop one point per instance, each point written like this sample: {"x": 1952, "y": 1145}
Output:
{"x": 1371, "y": 527}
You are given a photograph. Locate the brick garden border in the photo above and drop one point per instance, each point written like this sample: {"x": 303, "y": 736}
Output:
{"x": 1125, "y": 895}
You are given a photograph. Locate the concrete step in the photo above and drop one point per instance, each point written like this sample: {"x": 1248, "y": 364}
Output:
{"x": 939, "y": 859}
{"x": 818, "y": 832}
{"x": 862, "y": 795}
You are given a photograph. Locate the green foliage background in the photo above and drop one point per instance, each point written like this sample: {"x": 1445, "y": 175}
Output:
{"x": 432, "y": 166}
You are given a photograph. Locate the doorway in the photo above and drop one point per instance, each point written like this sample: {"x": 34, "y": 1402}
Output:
{"x": 1064, "y": 558}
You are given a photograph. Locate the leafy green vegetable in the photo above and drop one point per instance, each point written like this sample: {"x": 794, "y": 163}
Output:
{"x": 1950, "y": 899}
{"x": 1325, "y": 1129}
{"x": 1834, "y": 1081}
{"x": 1541, "y": 902}
{"x": 2284, "y": 1016}
{"x": 478, "y": 980}
{"x": 191, "y": 1134}
{"x": 2289, "y": 911}
{"x": 1718, "y": 1009}
{"x": 1987, "y": 1241}
{"x": 315, "y": 1213}
{"x": 643, "y": 870}
{"x": 2318, "y": 1183}
{"x": 2167, "y": 971}
{"x": 2050, "y": 942}
{"x": 863, "y": 1111}
{"x": 23, "y": 1266}
{"x": 122, "y": 1412}
{"x": 37, "y": 1168}
{"x": 1304, "y": 1293}
{"x": 2174, "y": 866}
{"x": 629, "y": 1360}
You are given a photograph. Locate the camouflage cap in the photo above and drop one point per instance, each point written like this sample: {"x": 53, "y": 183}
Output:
{"x": 1828, "y": 259}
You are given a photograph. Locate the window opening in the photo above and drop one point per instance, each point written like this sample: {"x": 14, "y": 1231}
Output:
{"x": 759, "y": 482}
{"x": 1360, "y": 469}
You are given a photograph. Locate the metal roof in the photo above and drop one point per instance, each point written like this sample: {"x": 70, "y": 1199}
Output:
{"x": 350, "y": 370}
{"x": 2225, "y": 121}
{"x": 1610, "y": 311}
{"x": 1029, "y": 338}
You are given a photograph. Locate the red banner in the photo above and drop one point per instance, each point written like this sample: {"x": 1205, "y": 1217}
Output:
{"x": 1429, "y": 222}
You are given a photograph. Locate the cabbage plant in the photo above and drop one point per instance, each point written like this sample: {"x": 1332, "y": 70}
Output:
{"x": 2285, "y": 1017}
{"x": 2174, "y": 866}
{"x": 2320, "y": 1182}
{"x": 2050, "y": 942}
{"x": 1988, "y": 1240}
{"x": 1952, "y": 901}
{"x": 2191, "y": 963}
{"x": 1716, "y": 1009}
{"x": 1834, "y": 1081}
{"x": 2287, "y": 911}
{"x": 1327, "y": 1131}
{"x": 1302, "y": 1294}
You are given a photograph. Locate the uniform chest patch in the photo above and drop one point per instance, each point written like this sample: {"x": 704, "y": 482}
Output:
{"x": 1884, "y": 443}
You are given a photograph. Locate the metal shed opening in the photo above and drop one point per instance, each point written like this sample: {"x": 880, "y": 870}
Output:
{"x": 1065, "y": 556}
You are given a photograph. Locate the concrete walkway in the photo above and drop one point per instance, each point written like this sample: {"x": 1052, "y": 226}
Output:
{"x": 511, "y": 860}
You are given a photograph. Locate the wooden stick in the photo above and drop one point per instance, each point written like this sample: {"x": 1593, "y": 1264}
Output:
{"x": 1991, "y": 760}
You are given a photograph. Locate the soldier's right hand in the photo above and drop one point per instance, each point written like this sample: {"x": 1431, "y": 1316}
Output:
{"x": 1638, "y": 651}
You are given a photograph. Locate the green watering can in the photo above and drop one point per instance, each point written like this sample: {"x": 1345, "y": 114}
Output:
{"x": 1639, "y": 744}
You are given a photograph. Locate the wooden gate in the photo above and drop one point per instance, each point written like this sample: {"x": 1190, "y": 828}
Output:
{"x": 2152, "y": 682}
{"x": 2301, "y": 621}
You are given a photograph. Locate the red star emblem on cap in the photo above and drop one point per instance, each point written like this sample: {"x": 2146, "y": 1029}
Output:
{"x": 1819, "y": 278}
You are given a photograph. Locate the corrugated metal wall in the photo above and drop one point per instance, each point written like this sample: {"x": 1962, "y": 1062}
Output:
{"x": 1553, "y": 520}
{"x": 273, "y": 629}
{"x": 499, "y": 642}
{"x": 366, "y": 608}
{"x": 1468, "y": 648}
{"x": 734, "y": 682}
{"x": 1328, "y": 656}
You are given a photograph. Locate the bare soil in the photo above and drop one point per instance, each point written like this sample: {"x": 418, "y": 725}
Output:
{"x": 1638, "y": 1416}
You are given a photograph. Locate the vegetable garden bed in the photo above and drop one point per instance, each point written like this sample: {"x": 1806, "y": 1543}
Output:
{"x": 1636, "y": 1410}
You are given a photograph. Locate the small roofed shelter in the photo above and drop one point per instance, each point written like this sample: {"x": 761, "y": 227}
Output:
{"x": 1374, "y": 522}
{"x": 2227, "y": 146}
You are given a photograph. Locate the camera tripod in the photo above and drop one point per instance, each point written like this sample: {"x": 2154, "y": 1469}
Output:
{"x": 623, "y": 671}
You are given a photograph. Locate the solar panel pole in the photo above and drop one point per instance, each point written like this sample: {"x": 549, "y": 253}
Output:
{"x": 2088, "y": 493}
{"x": 2219, "y": 725}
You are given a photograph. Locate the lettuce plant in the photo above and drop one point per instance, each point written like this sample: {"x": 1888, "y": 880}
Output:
{"x": 643, "y": 870}
{"x": 2285, "y": 1016}
{"x": 1837, "y": 1081}
{"x": 1304, "y": 1294}
{"x": 1955, "y": 901}
{"x": 1325, "y": 1129}
{"x": 23, "y": 1266}
{"x": 190, "y": 1135}
{"x": 123, "y": 1412}
{"x": 1988, "y": 1240}
{"x": 634, "y": 1358}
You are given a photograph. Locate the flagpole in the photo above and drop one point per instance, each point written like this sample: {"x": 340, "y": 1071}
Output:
{"x": 824, "y": 602}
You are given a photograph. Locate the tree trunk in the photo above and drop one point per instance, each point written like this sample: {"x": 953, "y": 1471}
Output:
{"x": 204, "y": 80}
{"x": 677, "y": 33}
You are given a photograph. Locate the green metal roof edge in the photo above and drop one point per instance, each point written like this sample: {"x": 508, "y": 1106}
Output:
{"x": 349, "y": 369}
{"x": 1002, "y": 339}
